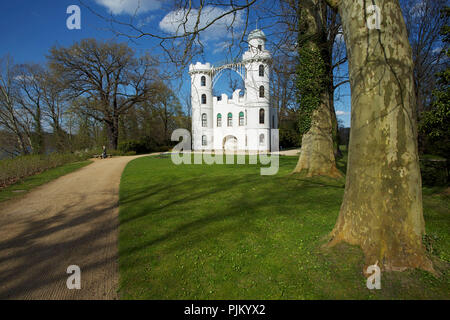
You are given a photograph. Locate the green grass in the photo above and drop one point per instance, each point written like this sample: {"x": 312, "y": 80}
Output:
{"x": 226, "y": 232}
{"x": 21, "y": 188}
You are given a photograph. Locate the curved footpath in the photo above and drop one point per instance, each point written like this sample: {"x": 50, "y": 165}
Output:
{"x": 72, "y": 220}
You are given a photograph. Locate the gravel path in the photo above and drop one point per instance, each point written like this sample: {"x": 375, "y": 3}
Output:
{"x": 292, "y": 152}
{"x": 72, "y": 220}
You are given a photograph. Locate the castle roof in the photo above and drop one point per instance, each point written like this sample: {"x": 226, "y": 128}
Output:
{"x": 256, "y": 34}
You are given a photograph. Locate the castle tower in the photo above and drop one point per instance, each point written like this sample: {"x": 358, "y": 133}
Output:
{"x": 202, "y": 106}
{"x": 257, "y": 64}
{"x": 257, "y": 60}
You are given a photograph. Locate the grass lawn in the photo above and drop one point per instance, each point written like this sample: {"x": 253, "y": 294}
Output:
{"x": 226, "y": 232}
{"x": 21, "y": 188}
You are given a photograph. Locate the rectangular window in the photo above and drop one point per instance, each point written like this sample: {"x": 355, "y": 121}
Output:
{"x": 241, "y": 118}
{"x": 204, "y": 120}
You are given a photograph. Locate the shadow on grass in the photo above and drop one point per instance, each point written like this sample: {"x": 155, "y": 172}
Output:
{"x": 207, "y": 210}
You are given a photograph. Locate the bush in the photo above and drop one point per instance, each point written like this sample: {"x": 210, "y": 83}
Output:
{"x": 131, "y": 145}
{"x": 434, "y": 172}
{"x": 146, "y": 145}
{"x": 164, "y": 148}
{"x": 115, "y": 153}
{"x": 289, "y": 138}
{"x": 12, "y": 170}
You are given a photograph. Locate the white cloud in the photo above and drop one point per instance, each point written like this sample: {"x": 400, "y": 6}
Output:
{"x": 143, "y": 22}
{"x": 130, "y": 7}
{"x": 341, "y": 113}
{"x": 437, "y": 50}
{"x": 176, "y": 22}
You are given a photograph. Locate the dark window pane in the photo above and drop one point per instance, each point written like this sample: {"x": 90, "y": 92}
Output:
{"x": 261, "y": 116}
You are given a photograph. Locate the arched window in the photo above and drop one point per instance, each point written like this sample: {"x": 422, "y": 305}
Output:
{"x": 203, "y": 140}
{"x": 259, "y": 47}
{"x": 261, "y": 138}
{"x": 219, "y": 120}
{"x": 203, "y": 81}
{"x": 261, "y": 116}
{"x": 230, "y": 120}
{"x": 261, "y": 70}
{"x": 203, "y": 98}
{"x": 204, "y": 124}
{"x": 261, "y": 92}
{"x": 241, "y": 118}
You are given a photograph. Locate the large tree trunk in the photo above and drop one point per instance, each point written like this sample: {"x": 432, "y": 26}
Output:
{"x": 20, "y": 137}
{"x": 317, "y": 152}
{"x": 113, "y": 133}
{"x": 22, "y": 144}
{"x": 382, "y": 206}
{"x": 38, "y": 141}
{"x": 60, "y": 138}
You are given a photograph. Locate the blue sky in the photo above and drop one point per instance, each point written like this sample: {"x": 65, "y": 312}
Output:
{"x": 31, "y": 28}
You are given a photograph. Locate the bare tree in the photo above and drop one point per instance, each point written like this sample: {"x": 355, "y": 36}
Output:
{"x": 29, "y": 80}
{"x": 424, "y": 22}
{"x": 166, "y": 107}
{"x": 108, "y": 75}
{"x": 283, "y": 85}
{"x": 191, "y": 20}
{"x": 55, "y": 103}
{"x": 11, "y": 119}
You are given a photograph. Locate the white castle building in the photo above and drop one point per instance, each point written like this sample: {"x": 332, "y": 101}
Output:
{"x": 243, "y": 122}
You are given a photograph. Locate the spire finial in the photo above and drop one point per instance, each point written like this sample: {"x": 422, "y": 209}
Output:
{"x": 257, "y": 23}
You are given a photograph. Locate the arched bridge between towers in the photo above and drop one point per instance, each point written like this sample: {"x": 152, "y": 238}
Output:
{"x": 237, "y": 67}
